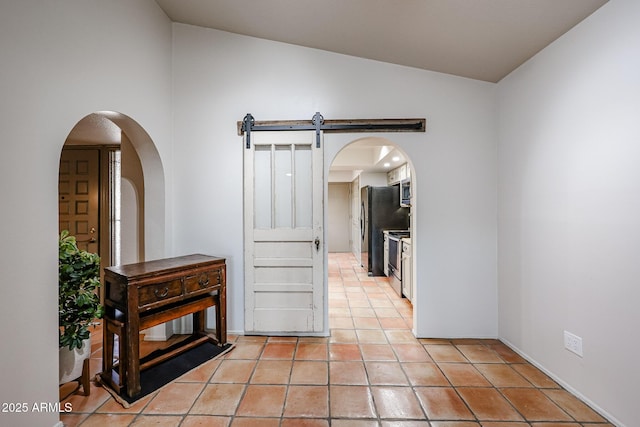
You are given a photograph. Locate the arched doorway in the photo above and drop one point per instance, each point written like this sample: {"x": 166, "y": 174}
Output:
{"x": 142, "y": 191}
{"x": 371, "y": 161}
{"x": 124, "y": 203}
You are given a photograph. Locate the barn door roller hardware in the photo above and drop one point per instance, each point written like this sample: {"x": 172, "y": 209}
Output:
{"x": 318, "y": 123}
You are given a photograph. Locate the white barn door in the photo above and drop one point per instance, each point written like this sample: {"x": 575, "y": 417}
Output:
{"x": 283, "y": 234}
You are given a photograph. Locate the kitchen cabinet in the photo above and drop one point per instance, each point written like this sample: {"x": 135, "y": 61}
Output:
{"x": 407, "y": 269}
{"x": 392, "y": 177}
{"x": 402, "y": 173}
{"x": 405, "y": 172}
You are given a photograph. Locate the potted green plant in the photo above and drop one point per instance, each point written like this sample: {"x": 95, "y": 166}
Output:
{"x": 78, "y": 304}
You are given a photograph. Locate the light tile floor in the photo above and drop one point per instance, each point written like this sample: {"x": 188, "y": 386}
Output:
{"x": 370, "y": 372}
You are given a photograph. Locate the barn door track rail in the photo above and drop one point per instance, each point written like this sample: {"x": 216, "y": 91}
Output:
{"x": 318, "y": 124}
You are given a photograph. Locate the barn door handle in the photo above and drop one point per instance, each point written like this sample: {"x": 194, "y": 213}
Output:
{"x": 317, "y": 242}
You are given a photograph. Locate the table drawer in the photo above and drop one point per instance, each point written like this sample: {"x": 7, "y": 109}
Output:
{"x": 204, "y": 281}
{"x": 157, "y": 293}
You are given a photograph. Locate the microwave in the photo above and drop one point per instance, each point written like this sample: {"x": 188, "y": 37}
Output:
{"x": 405, "y": 194}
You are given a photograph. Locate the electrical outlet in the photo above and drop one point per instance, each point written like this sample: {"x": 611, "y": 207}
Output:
{"x": 573, "y": 343}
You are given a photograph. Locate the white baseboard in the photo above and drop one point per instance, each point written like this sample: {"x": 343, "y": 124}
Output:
{"x": 280, "y": 334}
{"x": 160, "y": 332}
{"x": 568, "y": 387}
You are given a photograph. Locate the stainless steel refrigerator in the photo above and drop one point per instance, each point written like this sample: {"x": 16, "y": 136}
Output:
{"x": 380, "y": 210}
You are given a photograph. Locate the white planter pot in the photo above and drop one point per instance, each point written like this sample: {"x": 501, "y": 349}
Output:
{"x": 71, "y": 361}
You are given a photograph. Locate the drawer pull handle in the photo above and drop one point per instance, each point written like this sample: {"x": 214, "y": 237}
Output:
{"x": 162, "y": 294}
{"x": 203, "y": 281}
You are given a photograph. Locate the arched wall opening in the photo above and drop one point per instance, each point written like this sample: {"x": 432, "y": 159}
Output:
{"x": 130, "y": 163}
{"x": 368, "y": 162}
{"x": 143, "y": 175}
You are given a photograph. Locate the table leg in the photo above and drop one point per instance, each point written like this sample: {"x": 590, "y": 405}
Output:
{"x": 198, "y": 322}
{"x": 221, "y": 316}
{"x": 107, "y": 350}
{"x": 132, "y": 339}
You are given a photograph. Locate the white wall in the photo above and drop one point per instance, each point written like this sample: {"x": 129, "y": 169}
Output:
{"x": 129, "y": 249}
{"x": 569, "y": 207}
{"x": 219, "y": 77}
{"x": 374, "y": 179}
{"x": 339, "y": 217}
{"x": 131, "y": 204}
{"x": 61, "y": 61}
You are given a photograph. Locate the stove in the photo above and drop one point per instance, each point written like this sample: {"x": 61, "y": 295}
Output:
{"x": 395, "y": 258}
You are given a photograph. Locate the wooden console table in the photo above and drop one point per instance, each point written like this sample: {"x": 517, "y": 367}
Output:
{"x": 139, "y": 296}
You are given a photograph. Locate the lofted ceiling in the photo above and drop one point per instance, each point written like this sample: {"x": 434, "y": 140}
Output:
{"x": 478, "y": 39}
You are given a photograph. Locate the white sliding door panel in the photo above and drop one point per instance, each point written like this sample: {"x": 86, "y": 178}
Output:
{"x": 283, "y": 217}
